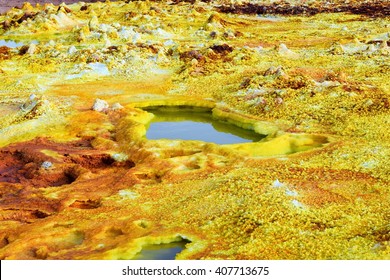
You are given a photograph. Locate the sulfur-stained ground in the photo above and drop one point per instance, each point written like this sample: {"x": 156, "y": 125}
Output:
{"x": 79, "y": 179}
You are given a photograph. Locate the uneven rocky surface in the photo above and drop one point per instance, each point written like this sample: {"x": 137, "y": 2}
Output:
{"x": 79, "y": 179}
{"x": 7, "y": 5}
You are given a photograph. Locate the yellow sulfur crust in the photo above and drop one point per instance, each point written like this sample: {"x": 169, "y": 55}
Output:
{"x": 80, "y": 180}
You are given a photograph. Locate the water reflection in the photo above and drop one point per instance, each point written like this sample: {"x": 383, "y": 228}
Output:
{"x": 161, "y": 251}
{"x": 189, "y": 124}
{"x": 14, "y": 44}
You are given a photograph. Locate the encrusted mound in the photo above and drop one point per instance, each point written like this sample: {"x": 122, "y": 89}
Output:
{"x": 79, "y": 179}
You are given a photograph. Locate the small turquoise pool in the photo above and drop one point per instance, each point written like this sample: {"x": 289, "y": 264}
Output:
{"x": 14, "y": 44}
{"x": 192, "y": 124}
{"x": 161, "y": 251}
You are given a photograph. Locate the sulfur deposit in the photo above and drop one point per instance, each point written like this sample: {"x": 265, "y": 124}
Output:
{"x": 80, "y": 180}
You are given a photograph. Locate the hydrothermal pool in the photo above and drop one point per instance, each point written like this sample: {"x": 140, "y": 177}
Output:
{"x": 196, "y": 124}
{"x": 161, "y": 251}
{"x": 14, "y": 44}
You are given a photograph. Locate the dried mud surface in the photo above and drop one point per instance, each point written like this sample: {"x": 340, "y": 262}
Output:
{"x": 79, "y": 179}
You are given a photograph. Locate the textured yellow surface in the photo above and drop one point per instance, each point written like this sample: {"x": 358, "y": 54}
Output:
{"x": 316, "y": 188}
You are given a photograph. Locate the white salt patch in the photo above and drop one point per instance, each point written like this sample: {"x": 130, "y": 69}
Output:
{"x": 95, "y": 68}
{"x": 136, "y": 38}
{"x": 296, "y": 203}
{"x": 369, "y": 164}
{"x": 126, "y": 33}
{"x": 32, "y": 48}
{"x": 119, "y": 157}
{"x": 99, "y": 68}
{"x": 169, "y": 43}
{"x": 46, "y": 164}
{"x": 277, "y": 184}
{"x": 327, "y": 84}
{"x": 128, "y": 194}
{"x": 163, "y": 34}
{"x": 116, "y": 106}
{"x": 291, "y": 193}
{"x": 100, "y": 105}
{"x": 284, "y": 51}
{"x": 72, "y": 50}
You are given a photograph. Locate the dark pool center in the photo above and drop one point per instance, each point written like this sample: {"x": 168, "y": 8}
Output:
{"x": 195, "y": 124}
{"x": 161, "y": 251}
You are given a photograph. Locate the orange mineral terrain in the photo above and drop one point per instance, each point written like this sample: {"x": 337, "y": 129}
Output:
{"x": 102, "y": 104}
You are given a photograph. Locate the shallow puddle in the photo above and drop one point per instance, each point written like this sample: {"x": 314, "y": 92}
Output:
{"x": 10, "y": 44}
{"x": 14, "y": 44}
{"x": 190, "y": 124}
{"x": 161, "y": 251}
